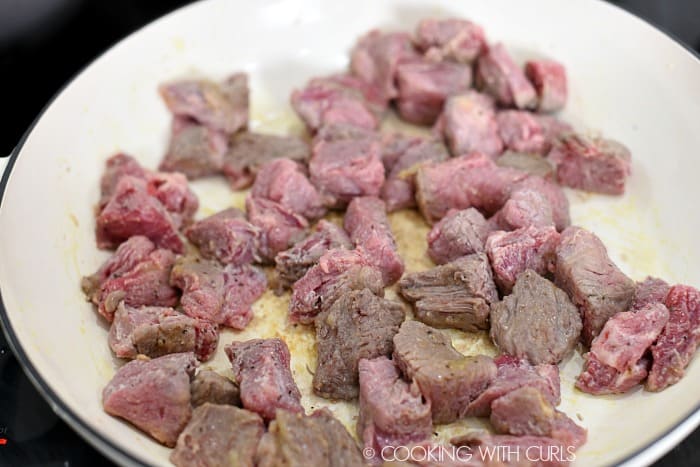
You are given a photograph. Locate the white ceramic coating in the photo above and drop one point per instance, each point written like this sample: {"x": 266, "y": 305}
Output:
{"x": 627, "y": 80}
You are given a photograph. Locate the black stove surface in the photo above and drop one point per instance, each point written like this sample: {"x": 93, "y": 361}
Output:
{"x": 43, "y": 43}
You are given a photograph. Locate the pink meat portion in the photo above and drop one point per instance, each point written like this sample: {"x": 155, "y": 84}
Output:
{"x": 525, "y": 208}
{"x": 458, "y": 234}
{"x": 194, "y": 150}
{"x": 226, "y": 236}
{"x": 616, "y": 361}
{"x": 279, "y": 227}
{"x": 549, "y": 79}
{"x": 368, "y": 227}
{"x": 117, "y": 166}
{"x": 394, "y": 145}
{"x": 153, "y": 395}
{"x": 553, "y": 193}
{"x": 261, "y": 368}
{"x": 522, "y": 131}
{"x": 451, "y": 39}
{"x": 469, "y": 125}
{"x": 591, "y": 164}
{"x": 501, "y": 77}
{"x": 650, "y": 290}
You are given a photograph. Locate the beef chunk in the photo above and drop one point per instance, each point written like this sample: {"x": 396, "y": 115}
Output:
{"x": 537, "y": 321}
{"x": 522, "y": 131}
{"x": 441, "y": 186}
{"x": 452, "y": 39}
{"x": 132, "y": 210}
{"x": 424, "y": 85}
{"x": 338, "y": 271}
{"x": 512, "y": 374}
{"x": 469, "y": 125}
{"x": 284, "y": 181}
{"x": 358, "y": 325}
{"x": 457, "y": 234}
{"x": 210, "y": 386}
{"x": 219, "y": 435}
{"x": 376, "y": 57}
{"x": 216, "y": 293}
{"x": 291, "y": 265}
{"x": 344, "y": 166}
{"x": 339, "y": 99}
{"x": 501, "y": 77}
{"x": 455, "y": 295}
{"x": 616, "y": 362}
{"x": 194, "y": 150}
{"x": 153, "y": 395}
{"x": 650, "y": 290}
{"x": 591, "y": 164}
{"x": 295, "y": 440}
{"x": 553, "y": 193}
{"x": 115, "y": 168}
{"x": 523, "y": 451}
{"x": 678, "y": 340}
{"x": 248, "y": 151}
{"x": 367, "y": 224}
{"x": 222, "y": 107}
{"x": 398, "y": 190}
{"x": 527, "y": 412}
{"x": 138, "y": 274}
{"x": 394, "y": 145}
{"x": 447, "y": 379}
{"x": 549, "y": 79}
{"x": 525, "y": 208}
{"x": 533, "y": 164}
{"x": 226, "y": 236}
{"x": 392, "y": 411}
{"x": 280, "y": 227}
{"x": 511, "y": 253}
{"x": 261, "y": 368}
{"x": 594, "y": 283}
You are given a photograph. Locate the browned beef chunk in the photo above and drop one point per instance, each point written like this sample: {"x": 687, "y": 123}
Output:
{"x": 296, "y": 440}
{"x": 501, "y": 77}
{"x": 392, "y": 411}
{"x": 527, "y": 412}
{"x": 338, "y": 271}
{"x": 194, "y": 150}
{"x": 280, "y": 227}
{"x": 469, "y": 125}
{"x": 219, "y": 435}
{"x": 424, "y": 85}
{"x": 679, "y": 339}
{"x": 399, "y": 187}
{"x": 617, "y": 361}
{"x": 537, "y": 321}
{"x": 138, "y": 273}
{"x": 525, "y": 208}
{"x": 650, "y": 290}
{"x": 592, "y": 164}
{"x": 549, "y": 79}
{"x": 376, "y": 57}
{"x": 594, "y": 283}
{"x": 448, "y": 379}
{"x": 284, "y": 181}
{"x": 153, "y": 395}
{"x": 339, "y": 99}
{"x": 358, "y": 325}
{"x": 553, "y": 193}
{"x": 512, "y": 374}
{"x": 346, "y": 163}
{"x": 511, "y": 253}
{"x": 453, "y": 39}
{"x": 226, "y": 236}
{"x": 261, "y": 368}
{"x": 210, "y": 386}
{"x": 440, "y": 186}
{"x": 523, "y": 451}
{"x": 216, "y": 293}
{"x": 291, "y": 265}
{"x": 455, "y": 295}
{"x": 533, "y": 164}
{"x": 222, "y": 107}
{"x": 368, "y": 226}
{"x": 457, "y": 234}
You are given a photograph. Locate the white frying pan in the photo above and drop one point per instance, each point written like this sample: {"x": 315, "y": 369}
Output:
{"x": 627, "y": 79}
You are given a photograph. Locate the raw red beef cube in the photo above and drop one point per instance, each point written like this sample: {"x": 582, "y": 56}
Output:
{"x": 153, "y": 395}
{"x": 549, "y": 79}
{"x": 522, "y": 131}
{"x": 454, "y": 39}
{"x": 501, "y": 77}
{"x": 592, "y": 164}
{"x": 458, "y": 234}
{"x": 115, "y": 168}
{"x": 284, "y": 181}
{"x": 525, "y": 208}
{"x": 553, "y": 193}
{"x": 194, "y": 150}
{"x": 424, "y": 85}
{"x": 394, "y": 145}
{"x": 650, "y": 290}
{"x": 226, "y": 236}
{"x": 470, "y": 125}
{"x": 280, "y": 228}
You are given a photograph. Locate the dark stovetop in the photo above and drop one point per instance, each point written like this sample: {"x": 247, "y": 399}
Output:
{"x": 43, "y": 43}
